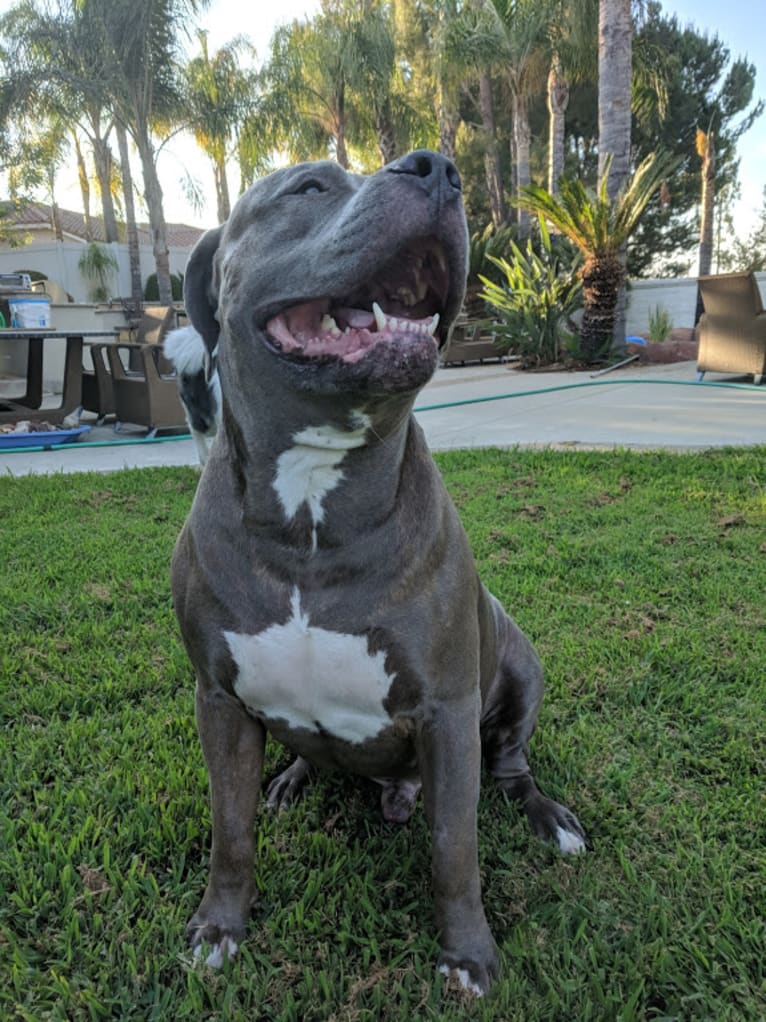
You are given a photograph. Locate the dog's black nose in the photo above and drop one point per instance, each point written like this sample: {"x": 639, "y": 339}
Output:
{"x": 433, "y": 168}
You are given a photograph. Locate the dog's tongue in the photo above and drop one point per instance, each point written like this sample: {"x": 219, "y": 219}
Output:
{"x": 348, "y": 333}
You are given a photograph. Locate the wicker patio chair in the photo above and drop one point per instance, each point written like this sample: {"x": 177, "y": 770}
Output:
{"x": 471, "y": 341}
{"x": 143, "y": 380}
{"x": 732, "y": 329}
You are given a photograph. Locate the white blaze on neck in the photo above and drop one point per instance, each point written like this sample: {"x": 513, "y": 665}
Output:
{"x": 312, "y": 678}
{"x": 309, "y": 470}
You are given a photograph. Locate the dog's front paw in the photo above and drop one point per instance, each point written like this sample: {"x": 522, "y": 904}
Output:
{"x": 557, "y": 824}
{"x": 473, "y": 972}
{"x": 218, "y": 926}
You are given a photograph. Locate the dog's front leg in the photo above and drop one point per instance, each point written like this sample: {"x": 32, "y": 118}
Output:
{"x": 233, "y": 745}
{"x": 449, "y": 757}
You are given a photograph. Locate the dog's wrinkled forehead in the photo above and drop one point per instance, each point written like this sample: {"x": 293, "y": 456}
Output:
{"x": 276, "y": 199}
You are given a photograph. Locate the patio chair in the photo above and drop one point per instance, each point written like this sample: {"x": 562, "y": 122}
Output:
{"x": 732, "y": 329}
{"x": 97, "y": 391}
{"x": 470, "y": 342}
{"x": 143, "y": 380}
{"x": 97, "y": 387}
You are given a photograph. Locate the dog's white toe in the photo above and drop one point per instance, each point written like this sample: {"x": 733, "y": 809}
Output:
{"x": 218, "y": 952}
{"x": 569, "y": 842}
{"x": 463, "y": 978}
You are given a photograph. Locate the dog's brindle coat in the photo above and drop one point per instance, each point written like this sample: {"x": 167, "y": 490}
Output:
{"x": 323, "y": 583}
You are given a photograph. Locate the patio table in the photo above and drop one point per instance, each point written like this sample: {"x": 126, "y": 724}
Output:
{"x": 26, "y": 406}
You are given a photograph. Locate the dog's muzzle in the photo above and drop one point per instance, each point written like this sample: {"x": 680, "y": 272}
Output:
{"x": 401, "y": 304}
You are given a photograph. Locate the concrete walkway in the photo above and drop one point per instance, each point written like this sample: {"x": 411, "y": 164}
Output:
{"x": 634, "y": 407}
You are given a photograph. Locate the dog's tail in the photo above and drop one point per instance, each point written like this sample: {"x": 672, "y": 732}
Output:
{"x": 186, "y": 350}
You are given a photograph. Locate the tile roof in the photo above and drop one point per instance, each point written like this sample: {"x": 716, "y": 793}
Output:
{"x": 33, "y": 215}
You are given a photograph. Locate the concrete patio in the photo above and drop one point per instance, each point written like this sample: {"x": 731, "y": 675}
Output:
{"x": 640, "y": 407}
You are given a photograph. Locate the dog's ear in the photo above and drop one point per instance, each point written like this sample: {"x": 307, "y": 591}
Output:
{"x": 201, "y": 287}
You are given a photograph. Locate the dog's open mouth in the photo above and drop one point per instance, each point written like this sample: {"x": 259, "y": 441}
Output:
{"x": 405, "y": 301}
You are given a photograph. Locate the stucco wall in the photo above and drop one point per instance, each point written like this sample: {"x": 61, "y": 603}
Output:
{"x": 58, "y": 261}
{"x": 678, "y": 297}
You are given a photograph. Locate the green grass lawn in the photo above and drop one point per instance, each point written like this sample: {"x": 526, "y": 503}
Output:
{"x": 642, "y": 580}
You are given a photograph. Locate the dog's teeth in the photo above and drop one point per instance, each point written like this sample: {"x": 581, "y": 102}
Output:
{"x": 329, "y": 326}
{"x": 380, "y": 316}
{"x": 433, "y": 324}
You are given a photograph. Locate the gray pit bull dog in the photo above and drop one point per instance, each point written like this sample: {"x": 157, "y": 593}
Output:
{"x": 323, "y": 583}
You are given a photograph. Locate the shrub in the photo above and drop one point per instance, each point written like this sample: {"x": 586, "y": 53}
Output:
{"x": 484, "y": 250}
{"x": 152, "y": 290}
{"x": 660, "y": 325}
{"x": 539, "y": 294}
{"x": 98, "y": 265}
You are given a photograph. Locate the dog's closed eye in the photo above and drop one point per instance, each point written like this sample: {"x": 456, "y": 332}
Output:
{"x": 311, "y": 187}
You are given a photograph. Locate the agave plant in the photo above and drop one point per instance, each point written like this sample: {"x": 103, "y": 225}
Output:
{"x": 534, "y": 303}
{"x": 600, "y": 228}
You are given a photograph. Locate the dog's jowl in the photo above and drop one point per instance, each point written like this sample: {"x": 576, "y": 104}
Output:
{"x": 324, "y": 586}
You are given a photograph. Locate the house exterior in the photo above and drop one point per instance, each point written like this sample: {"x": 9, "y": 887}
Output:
{"x": 32, "y": 224}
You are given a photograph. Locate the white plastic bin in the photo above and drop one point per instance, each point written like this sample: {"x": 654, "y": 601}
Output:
{"x": 30, "y": 312}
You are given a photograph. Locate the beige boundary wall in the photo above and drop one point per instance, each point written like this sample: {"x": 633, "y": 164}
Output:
{"x": 58, "y": 261}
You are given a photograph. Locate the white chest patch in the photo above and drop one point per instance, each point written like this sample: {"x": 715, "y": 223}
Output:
{"x": 312, "y": 678}
{"x": 309, "y": 470}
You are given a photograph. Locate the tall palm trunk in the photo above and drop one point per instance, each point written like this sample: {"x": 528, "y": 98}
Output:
{"x": 492, "y": 167}
{"x": 102, "y": 157}
{"x": 615, "y": 71}
{"x": 706, "y": 149}
{"x": 522, "y": 144}
{"x": 153, "y": 197}
{"x": 386, "y": 133}
{"x": 558, "y": 101}
{"x": 82, "y": 177}
{"x": 341, "y": 153}
{"x": 223, "y": 199}
{"x": 134, "y": 256}
{"x": 448, "y": 119}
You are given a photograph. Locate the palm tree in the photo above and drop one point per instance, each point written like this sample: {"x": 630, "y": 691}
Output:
{"x": 139, "y": 40}
{"x": 705, "y": 142}
{"x": 307, "y": 86}
{"x": 572, "y": 31}
{"x": 53, "y": 67}
{"x": 219, "y": 96}
{"x": 600, "y": 228}
{"x": 615, "y": 71}
{"x": 377, "y": 81}
{"x": 523, "y": 52}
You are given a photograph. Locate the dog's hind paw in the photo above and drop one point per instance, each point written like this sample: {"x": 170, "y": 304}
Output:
{"x": 287, "y": 786}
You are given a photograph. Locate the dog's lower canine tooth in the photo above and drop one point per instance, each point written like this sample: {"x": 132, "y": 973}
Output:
{"x": 380, "y": 316}
{"x": 433, "y": 324}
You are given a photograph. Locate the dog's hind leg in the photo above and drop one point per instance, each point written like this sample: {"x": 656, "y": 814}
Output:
{"x": 287, "y": 786}
{"x": 508, "y": 720}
